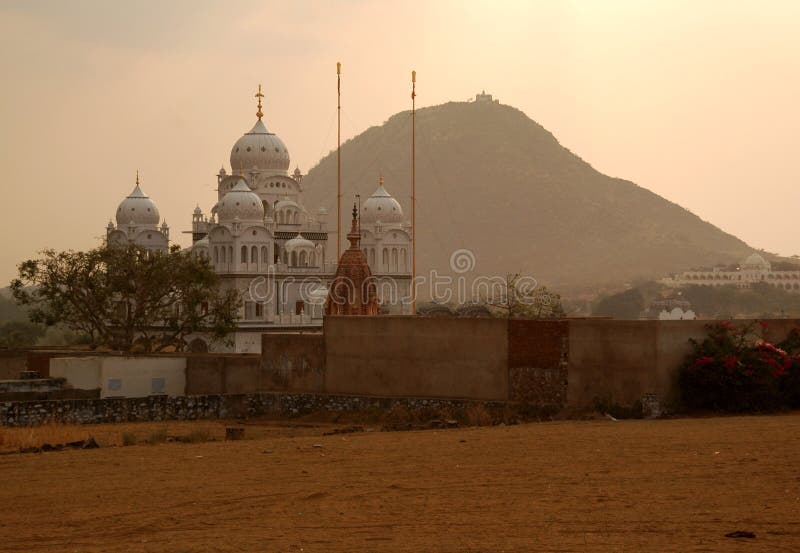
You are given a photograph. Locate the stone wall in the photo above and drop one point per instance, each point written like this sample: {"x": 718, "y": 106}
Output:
{"x": 161, "y": 408}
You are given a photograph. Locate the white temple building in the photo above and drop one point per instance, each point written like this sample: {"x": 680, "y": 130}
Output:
{"x": 752, "y": 270}
{"x": 262, "y": 241}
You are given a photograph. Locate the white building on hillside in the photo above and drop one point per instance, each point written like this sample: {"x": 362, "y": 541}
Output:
{"x": 752, "y": 270}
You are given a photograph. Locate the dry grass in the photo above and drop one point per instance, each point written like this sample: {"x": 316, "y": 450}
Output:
{"x": 20, "y": 438}
{"x": 127, "y": 434}
{"x": 665, "y": 485}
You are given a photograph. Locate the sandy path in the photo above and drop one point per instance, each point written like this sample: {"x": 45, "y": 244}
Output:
{"x": 675, "y": 485}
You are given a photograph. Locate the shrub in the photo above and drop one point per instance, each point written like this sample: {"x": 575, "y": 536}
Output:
{"x": 732, "y": 370}
{"x": 197, "y": 435}
{"x": 158, "y": 436}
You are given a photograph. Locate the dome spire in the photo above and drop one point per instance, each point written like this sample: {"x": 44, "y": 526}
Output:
{"x": 259, "y": 95}
{"x": 137, "y": 177}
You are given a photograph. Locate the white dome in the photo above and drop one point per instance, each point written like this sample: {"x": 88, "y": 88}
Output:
{"x": 240, "y": 203}
{"x": 298, "y": 243}
{"x": 755, "y": 261}
{"x": 381, "y": 207}
{"x": 260, "y": 149}
{"x": 137, "y": 208}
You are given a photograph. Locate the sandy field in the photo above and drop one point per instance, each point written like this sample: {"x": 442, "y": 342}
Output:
{"x": 667, "y": 485}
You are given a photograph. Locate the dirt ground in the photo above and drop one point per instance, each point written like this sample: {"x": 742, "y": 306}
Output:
{"x": 667, "y": 485}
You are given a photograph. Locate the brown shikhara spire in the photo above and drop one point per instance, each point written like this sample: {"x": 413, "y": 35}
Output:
{"x": 353, "y": 289}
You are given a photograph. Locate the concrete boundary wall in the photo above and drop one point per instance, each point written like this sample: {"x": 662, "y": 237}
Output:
{"x": 570, "y": 362}
{"x": 417, "y": 357}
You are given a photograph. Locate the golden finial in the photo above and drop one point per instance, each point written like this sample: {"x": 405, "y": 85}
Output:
{"x": 259, "y": 95}
{"x": 413, "y": 76}
{"x": 137, "y": 177}
{"x": 338, "y": 68}
{"x": 380, "y": 179}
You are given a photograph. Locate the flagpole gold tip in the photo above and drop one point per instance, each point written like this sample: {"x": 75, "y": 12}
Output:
{"x": 338, "y": 68}
{"x": 413, "y": 76}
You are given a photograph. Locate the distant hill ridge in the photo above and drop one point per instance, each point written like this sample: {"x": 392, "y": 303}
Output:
{"x": 494, "y": 181}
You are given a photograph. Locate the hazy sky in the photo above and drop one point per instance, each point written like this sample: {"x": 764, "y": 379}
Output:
{"x": 695, "y": 100}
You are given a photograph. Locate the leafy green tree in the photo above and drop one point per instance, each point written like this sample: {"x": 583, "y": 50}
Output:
{"x": 119, "y": 296}
{"x": 521, "y": 297}
{"x": 15, "y": 334}
{"x": 625, "y": 305}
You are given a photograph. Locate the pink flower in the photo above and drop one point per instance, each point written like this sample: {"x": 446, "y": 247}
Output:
{"x": 730, "y": 362}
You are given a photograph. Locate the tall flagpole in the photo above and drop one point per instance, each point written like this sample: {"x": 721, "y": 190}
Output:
{"x": 413, "y": 192}
{"x": 338, "y": 161}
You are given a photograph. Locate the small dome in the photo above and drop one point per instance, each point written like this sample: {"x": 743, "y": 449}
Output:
{"x": 298, "y": 243}
{"x": 261, "y": 150}
{"x": 381, "y": 207}
{"x": 138, "y": 209}
{"x": 198, "y": 211}
{"x": 283, "y": 204}
{"x": 755, "y": 261}
{"x": 240, "y": 204}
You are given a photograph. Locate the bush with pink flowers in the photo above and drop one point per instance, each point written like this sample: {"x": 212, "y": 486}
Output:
{"x": 734, "y": 370}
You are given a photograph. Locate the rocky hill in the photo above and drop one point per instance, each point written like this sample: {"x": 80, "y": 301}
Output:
{"x": 494, "y": 181}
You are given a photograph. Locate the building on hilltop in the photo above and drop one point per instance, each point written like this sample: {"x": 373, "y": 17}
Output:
{"x": 265, "y": 244}
{"x": 485, "y": 98}
{"x": 752, "y": 270}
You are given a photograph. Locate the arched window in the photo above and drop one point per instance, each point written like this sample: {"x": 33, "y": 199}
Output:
{"x": 312, "y": 259}
{"x": 264, "y": 255}
{"x": 230, "y": 255}
{"x": 385, "y": 261}
{"x": 294, "y": 259}
{"x": 216, "y": 255}
{"x": 254, "y": 255}
{"x": 285, "y": 257}
{"x": 372, "y": 257}
{"x": 244, "y": 254}
{"x": 303, "y": 259}
{"x": 296, "y": 217}
{"x": 222, "y": 257}
{"x": 394, "y": 259}
{"x": 404, "y": 259}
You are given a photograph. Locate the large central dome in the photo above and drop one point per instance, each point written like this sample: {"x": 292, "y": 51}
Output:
{"x": 261, "y": 150}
